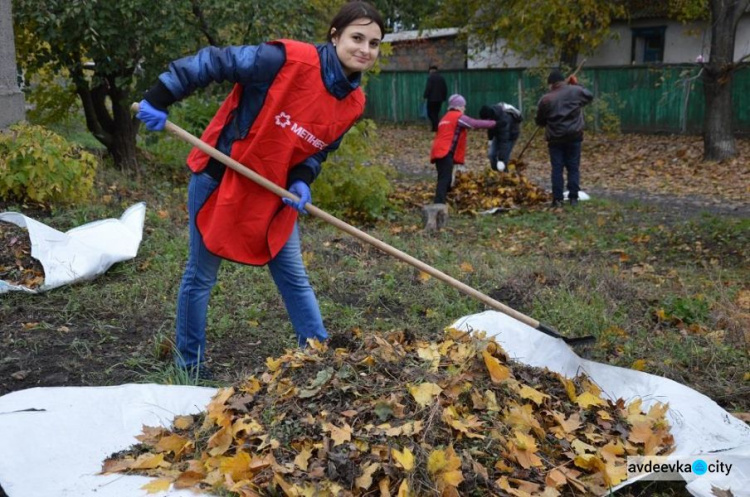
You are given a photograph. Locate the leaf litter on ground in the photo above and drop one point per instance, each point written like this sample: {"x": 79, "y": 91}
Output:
{"x": 17, "y": 267}
{"x": 476, "y": 191}
{"x": 392, "y": 415}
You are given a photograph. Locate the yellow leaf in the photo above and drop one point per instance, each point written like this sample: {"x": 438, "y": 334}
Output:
{"x": 587, "y": 399}
{"x": 183, "y": 422}
{"x": 522, "y": 418}
{"x": 116, "y": 465}
{"x": 425, "y": 393}
{"x": 610, "y": 451}
{"x": 339, "y": 435}
{"x": 189, "y": 479}
{"x": 252, "y": 385}
{"x": 498, "y": 372}
{"x": 384, "y": 485}
{"x": 403, "y": 489}
{"x": 220, "y": 441}
{"x": 404, "y": 459}
{"x": 172, "y": 443}
{"x": 555, "y": 478}
{"x": 467, "y": 267}
{"x": 148, "y": 461}
{"x": 238, "y": 466}
{"x": 568, "y": 425}
{"x": 445, "y": 467}
{"x": 570, "y": 388}
{"x": 156, "y": 486}
{"x": 638, "y": 365}
{"x": 523, "y": 448}
{"x": 364, "y": 481}
{"x": 532, "y": 394}
{"x": 430, "y": 353}
{"x": 302, "y": 459}
{"x": 424, "y": 276}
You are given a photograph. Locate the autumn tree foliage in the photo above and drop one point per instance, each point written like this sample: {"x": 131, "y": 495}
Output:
{"x": 109, "y": 52}
{"x": 553, "y": 31}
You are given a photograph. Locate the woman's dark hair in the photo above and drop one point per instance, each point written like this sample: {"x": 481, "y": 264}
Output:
{"x": 352, "y": 11}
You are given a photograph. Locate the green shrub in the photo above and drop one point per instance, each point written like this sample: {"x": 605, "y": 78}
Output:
{"x": 350, "y": 184}
{"x": 41, "y": 166}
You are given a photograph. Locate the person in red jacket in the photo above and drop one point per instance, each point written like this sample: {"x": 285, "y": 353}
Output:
{"x": 449, "y": 146}
{"x": 290, "y": 106}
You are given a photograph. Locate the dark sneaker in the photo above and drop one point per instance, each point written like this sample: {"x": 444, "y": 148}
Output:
{"x": 556, "y": 204}
{"x": 574, "y": 202}
{"x": 200, "y": 372}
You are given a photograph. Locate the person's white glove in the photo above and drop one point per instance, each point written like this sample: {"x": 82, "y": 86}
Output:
{"x": 489, "y": 143}
{"x": 500, "y": 165}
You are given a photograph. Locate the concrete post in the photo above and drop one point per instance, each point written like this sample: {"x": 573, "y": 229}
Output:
{"x": 11, "y": 98}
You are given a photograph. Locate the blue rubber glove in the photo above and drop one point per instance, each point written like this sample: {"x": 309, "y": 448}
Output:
{"x": 302, "y": 190}
{"x": 154, "y": 118}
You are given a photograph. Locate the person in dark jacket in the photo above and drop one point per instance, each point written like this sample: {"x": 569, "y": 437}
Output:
{"x": 290, "y": 106}
{"x": 560, "y": 112}
{"x": 435, "y": 93}
{"x": 503, "y": 136}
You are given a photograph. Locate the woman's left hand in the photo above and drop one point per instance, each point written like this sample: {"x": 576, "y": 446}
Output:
{"x": 302, "y": 190}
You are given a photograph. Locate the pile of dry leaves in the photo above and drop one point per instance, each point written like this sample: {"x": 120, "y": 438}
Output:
{"x": 17, "y": 267}
{"x": 394, "y": 416}
{"x": 477, "y": 191}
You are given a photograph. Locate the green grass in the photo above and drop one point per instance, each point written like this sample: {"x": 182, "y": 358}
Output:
{"x": 658, "y": 288}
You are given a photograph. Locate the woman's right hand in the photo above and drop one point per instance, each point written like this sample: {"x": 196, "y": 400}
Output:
{"x": 154, "y": 119}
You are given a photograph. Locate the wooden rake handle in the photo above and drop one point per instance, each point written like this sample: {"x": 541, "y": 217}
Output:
{"x": 348, "y": 228}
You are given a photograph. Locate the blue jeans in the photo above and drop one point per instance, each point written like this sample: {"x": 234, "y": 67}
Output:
{"x": 565, "y": 156}
{"x": 500, "y": 150}
{"x": 287, "y": 269}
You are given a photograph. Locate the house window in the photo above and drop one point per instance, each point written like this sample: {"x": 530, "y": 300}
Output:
{"x": 648, "y": 45}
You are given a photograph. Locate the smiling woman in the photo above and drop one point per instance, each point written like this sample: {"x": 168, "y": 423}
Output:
{"x": 291, "y": 104}
{"x": 356, "y": 36}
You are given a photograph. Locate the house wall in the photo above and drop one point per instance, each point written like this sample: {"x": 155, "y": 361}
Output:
{"x": 418, "y": 55}
{"x": 683, "y": 43}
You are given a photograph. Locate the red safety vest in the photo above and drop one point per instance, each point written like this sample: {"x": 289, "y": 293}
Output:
{"x": 242, "y": 221}
{"x": 444, "y": 138}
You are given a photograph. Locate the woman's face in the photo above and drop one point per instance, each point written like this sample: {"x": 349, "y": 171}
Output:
{"x": 358, "y": 45}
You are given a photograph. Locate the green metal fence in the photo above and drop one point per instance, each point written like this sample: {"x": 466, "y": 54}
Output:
{"x": 664, "y": 99}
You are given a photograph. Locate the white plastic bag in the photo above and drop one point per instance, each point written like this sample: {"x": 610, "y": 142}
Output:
{"x": 82, "y": 253}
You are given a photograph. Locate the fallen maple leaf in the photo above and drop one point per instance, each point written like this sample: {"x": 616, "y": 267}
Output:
{"x": 404, "y": 458}
{"x": 445, "y": 468}
{"x": 498, "y": 372}
{"x": 424, "y": 394}
{"x": 156, "y": 486}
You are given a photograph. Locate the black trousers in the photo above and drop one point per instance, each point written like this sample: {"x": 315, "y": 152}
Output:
{"x": 433, "y": 112}
{"x": 444, "y": 176}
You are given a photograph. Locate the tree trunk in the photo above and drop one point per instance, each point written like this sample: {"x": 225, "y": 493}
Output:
{"x": 123, "y": 149}
{"x": 718, "y": 137}
{"x": 113, "y": 124}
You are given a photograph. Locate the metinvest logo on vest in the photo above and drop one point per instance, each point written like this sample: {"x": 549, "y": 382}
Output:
{"x": 283, "y": 120}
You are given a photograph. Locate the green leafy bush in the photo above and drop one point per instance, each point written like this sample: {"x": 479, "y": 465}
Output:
{"x": 41, "y": 166}
{"x": 350, "y": 184}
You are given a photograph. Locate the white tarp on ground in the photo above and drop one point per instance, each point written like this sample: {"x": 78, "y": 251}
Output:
{"x": 82, "y": 253}
{"x": 57, "y": 449}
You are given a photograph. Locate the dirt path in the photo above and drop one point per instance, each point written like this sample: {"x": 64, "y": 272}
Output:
{"x": 663, "y": 171}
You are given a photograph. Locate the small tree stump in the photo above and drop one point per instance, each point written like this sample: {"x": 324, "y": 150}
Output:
{"x": 434, "y": 216}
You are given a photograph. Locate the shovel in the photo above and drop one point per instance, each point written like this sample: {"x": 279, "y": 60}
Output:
{"x": 355, "y": 232}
